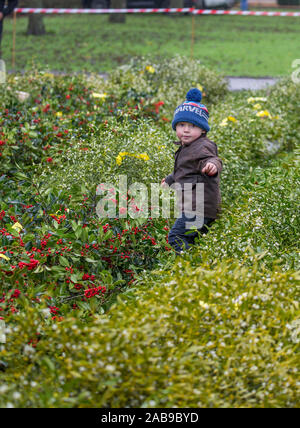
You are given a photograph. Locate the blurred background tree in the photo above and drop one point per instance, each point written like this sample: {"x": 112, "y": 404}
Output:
{"x": 117, "y": 17}
{"x": 36, "y": 26}
{"x": 176, "y": 4}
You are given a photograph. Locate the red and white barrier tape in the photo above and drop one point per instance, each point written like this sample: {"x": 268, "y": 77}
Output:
{"x": 170, "y": 10}
{"x": 240, "y": 12}
{"x": 101, "y": 11}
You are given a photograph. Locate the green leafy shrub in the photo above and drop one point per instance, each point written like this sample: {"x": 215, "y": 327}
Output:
{"x": 214, "y": 329}
{"x": 167, "y": 80}
{"x": 214, "y": 336}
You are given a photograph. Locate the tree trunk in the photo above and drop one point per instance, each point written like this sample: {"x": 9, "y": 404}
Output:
{"x": 36, "y": 25}
{"x": 117, "y": 17}
{"x": 175, "y": 4}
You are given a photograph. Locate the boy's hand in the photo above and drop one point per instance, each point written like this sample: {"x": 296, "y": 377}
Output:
{"x": 210, "y": 169}
{"x": 163, "y": 182}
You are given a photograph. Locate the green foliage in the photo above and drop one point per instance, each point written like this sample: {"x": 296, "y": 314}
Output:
{"x": 99, "y": 311}
{"x": 166, "y": 79}
{"x": 211, "y": 336}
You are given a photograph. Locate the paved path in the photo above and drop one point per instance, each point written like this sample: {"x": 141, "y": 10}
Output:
{"x": 252, "y": 83}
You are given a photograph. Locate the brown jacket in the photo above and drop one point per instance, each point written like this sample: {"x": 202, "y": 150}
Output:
{"x": 190, "y": 159}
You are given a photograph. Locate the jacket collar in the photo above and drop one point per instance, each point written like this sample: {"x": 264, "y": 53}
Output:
{"x": 178, "y": 143}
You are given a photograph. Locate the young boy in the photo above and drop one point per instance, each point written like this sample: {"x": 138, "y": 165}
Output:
{"x": 196, "y": 161}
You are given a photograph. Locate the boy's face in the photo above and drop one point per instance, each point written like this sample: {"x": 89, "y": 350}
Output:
{"x": 187, "y": 132}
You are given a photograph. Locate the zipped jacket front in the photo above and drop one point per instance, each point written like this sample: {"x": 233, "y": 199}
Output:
{"x": 190, "y": 159}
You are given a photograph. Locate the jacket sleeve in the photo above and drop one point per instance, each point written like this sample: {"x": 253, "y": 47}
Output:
{"x": 170, "y": 179}
{"x": 209, "y": 154}
{"x": 12, "y": 4}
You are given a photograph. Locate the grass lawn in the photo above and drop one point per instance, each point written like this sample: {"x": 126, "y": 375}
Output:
{"x": 233, "y": 45}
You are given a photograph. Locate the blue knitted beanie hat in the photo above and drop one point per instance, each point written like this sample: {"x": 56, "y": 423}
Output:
{"x": 192, "y": 111}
